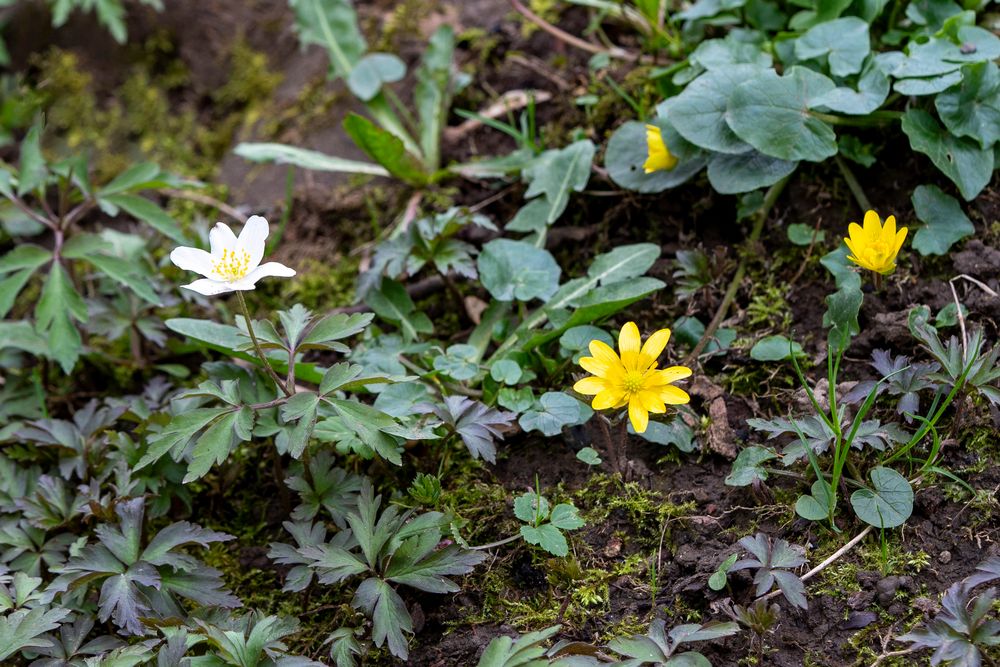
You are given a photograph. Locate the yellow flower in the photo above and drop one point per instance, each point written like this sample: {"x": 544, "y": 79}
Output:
{"x": 632, "y": 379}
{"x": 659, "y": 155}
{"x": 873, "y": 246}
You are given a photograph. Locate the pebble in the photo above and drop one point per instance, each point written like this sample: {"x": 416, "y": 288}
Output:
{"x": 944, "y": 557}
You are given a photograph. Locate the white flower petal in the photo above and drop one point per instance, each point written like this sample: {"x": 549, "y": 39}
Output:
{"x": 210, "y": 287}
{"x": 221, "y": 238}
{"x": 192, "y": 259}
{"x": 265, "y": 270}
{"x": 252, "y": 239}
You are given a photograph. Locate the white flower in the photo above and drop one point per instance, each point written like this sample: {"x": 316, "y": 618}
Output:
{"x": 234, "y": 263}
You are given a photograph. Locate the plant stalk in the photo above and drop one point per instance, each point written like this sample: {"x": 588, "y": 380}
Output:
{"x": 256, "y": 345}
{"x": 769, "y": 199}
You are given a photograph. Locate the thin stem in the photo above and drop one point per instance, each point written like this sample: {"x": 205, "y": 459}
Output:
{"x": 852, "y": 184}
{"x": 826, "y": 563}
{"x": 256, "y": 345}
{"x": 873, "y": 119}
{"x": 563, "y": 36}
{"x": 498, "y": 543}
{"x": 769, "y": 199}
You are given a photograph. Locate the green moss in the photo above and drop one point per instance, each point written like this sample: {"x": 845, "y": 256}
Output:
{"x": 141, "y": 118}
{"x": 321, "y": 286}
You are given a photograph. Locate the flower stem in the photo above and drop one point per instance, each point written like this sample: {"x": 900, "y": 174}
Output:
{"x": 769, "y": 199}
{"x": 852, "y": 184}
{"x": 256, "y": 345}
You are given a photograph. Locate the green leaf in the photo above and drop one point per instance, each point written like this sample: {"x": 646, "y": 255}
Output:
{"x": 674, "y": 433}
{"x": 566, "y": 517}
{"x": 335, "y": 327}
{"x": 58, "y": 297}
{"x": 841, "y": 316}
{"x": 33, "y": 170}
{"x": 775, "y": 348}
{"x": 393, "y": 304}
{"x": 177, "y": 433}
{"x": 888, "y": 503}
{"x": 373, "y": 70}
{"x": 771, "y": 113}
{"x": 517, "y": 270}
{"x": 815, "y": 507}
{"x": 460, "y": 362}
{"x": 946, "y": 222}
{"x": 150, "y": 213}
{"x": 734, "y": 174}
{"x": 10, "y": 287}
{"x": 554, "y": 411}
{"x": 804, "y": 235}
{"x": 124, "y": 273}
{"x": 388, "y": 613}
{"x": 959, "y": 158}
{"x": 748, "y": 468}
{"x": 843, "y": 42}
{"x": 301, "y": 408}
{"x": 547, "y": 537}
{"x": 214, "y": 445}
{"x": 21, "y": 335}
{"x": 531, "y": 508}
{"x": 24, "y": 628}
{"x": 972, "y": 108}
{"x": 332, "y": 24}
{"x": 306, "y": 159}
{"x": 627, "y": 153}
{"x": 557, "y": 172}
{"x": 701, "y": 112}
{"x": 589, "y": 456}
{"x": 386, "y": 149}
{"x": 24, "y": 256}
{"x": 873, "y": 89}
{"x": 506, "y": 371}
{"x": 719, "y": 578}
{"x": 433, "y": 92}
{"x": 139, "y": 176}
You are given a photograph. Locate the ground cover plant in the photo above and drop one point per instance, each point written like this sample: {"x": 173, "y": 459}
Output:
{"x": 499, "y": 333}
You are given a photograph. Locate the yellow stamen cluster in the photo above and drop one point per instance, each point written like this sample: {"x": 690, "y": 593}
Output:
{"x": 232, "y": 265}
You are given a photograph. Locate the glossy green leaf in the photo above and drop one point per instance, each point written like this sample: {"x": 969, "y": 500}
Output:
{"x": 961, "y": 159}
{"x": 386, "y": 149}
{"x": 512, "y": 270}
{"x": 775, "y": 348}
{"x": 946, "y": 222}
{"x": 734, "y": 174}
{"x": 306, "y": 159}
{"x": 771, "y": 113}
{"x": 889, "y": 501}
{"x": 972, "y": 108}
{"x": 702, "y": 112}
{"x": 844, "y": 43}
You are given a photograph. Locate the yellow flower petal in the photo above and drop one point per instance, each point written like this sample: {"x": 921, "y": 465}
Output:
{"x": 889, "y": 229}
{"x": 608, "y": 398}
{"x": 872, "y": 224}
{"x": 637, "y": 415}
{"x": 669, "y": 375}
{"x": 629, "y": 341}
{"x": 651, "y": 402}
{"x": 900, "y": 237}
{"x": 672, "y": 395}
{"x": 590, "y": 386}
{"x": 603, "y": 352}
{"x": 594, "y": 366}
{"x": 654, "y": 345}
{"x": 658, "y": 156}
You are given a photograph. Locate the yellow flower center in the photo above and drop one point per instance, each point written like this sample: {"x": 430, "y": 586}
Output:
{"x": 633, "y": 382}
{"x": 232, "y": 266}
{"x": 879, "y": 253}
